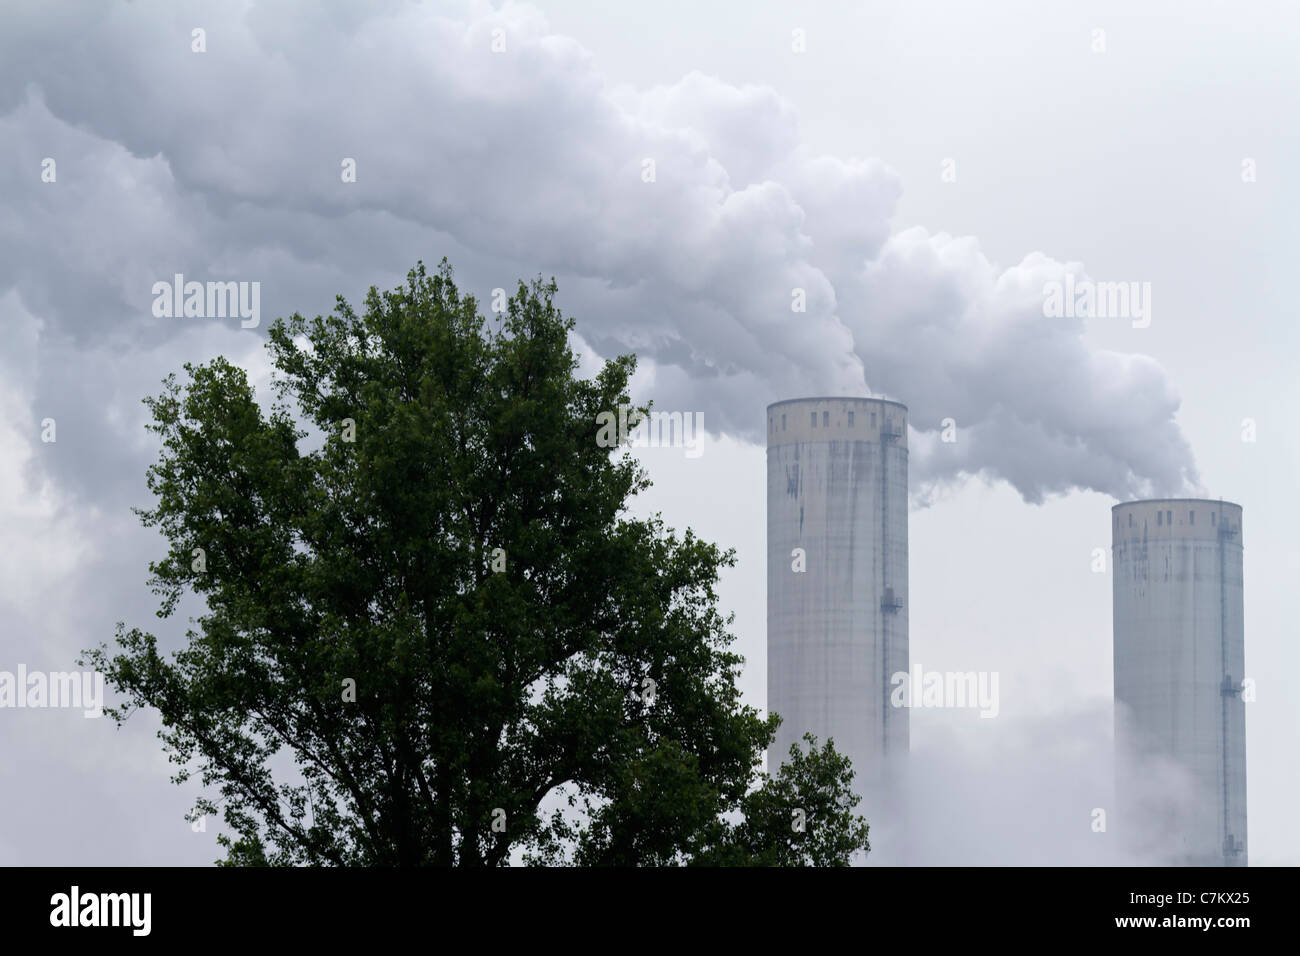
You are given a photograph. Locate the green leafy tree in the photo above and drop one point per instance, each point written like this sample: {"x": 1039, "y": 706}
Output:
{"x": 431, "y": 632}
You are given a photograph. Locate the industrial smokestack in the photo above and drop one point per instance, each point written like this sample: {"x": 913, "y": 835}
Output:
{"x": 837, "y": 576}
{"x": 1179, "y": 662}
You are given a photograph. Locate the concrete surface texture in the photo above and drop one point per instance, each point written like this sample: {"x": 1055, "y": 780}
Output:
{"x": 837, "y": 577}
{"x": 1179, "y": 665}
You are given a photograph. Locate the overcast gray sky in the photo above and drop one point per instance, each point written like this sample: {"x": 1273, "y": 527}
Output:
{"x": 918, "y": 169}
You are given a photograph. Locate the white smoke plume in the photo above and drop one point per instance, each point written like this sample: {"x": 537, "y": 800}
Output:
{"x": 682, "y": 222}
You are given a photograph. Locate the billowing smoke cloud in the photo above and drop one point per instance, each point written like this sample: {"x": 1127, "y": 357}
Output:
{"x": 688, "y": 222}
{"x": 1029, "y": 400}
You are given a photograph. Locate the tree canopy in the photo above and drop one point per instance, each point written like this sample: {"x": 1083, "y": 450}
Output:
{"x": 432, "y": 632}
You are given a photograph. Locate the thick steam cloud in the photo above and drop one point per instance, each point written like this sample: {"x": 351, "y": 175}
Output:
{"x": 683, "y": 222}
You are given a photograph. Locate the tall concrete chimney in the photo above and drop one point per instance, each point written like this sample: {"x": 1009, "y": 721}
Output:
{"x": 1179, "y": 665}
{"x": 837, "y": 577}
